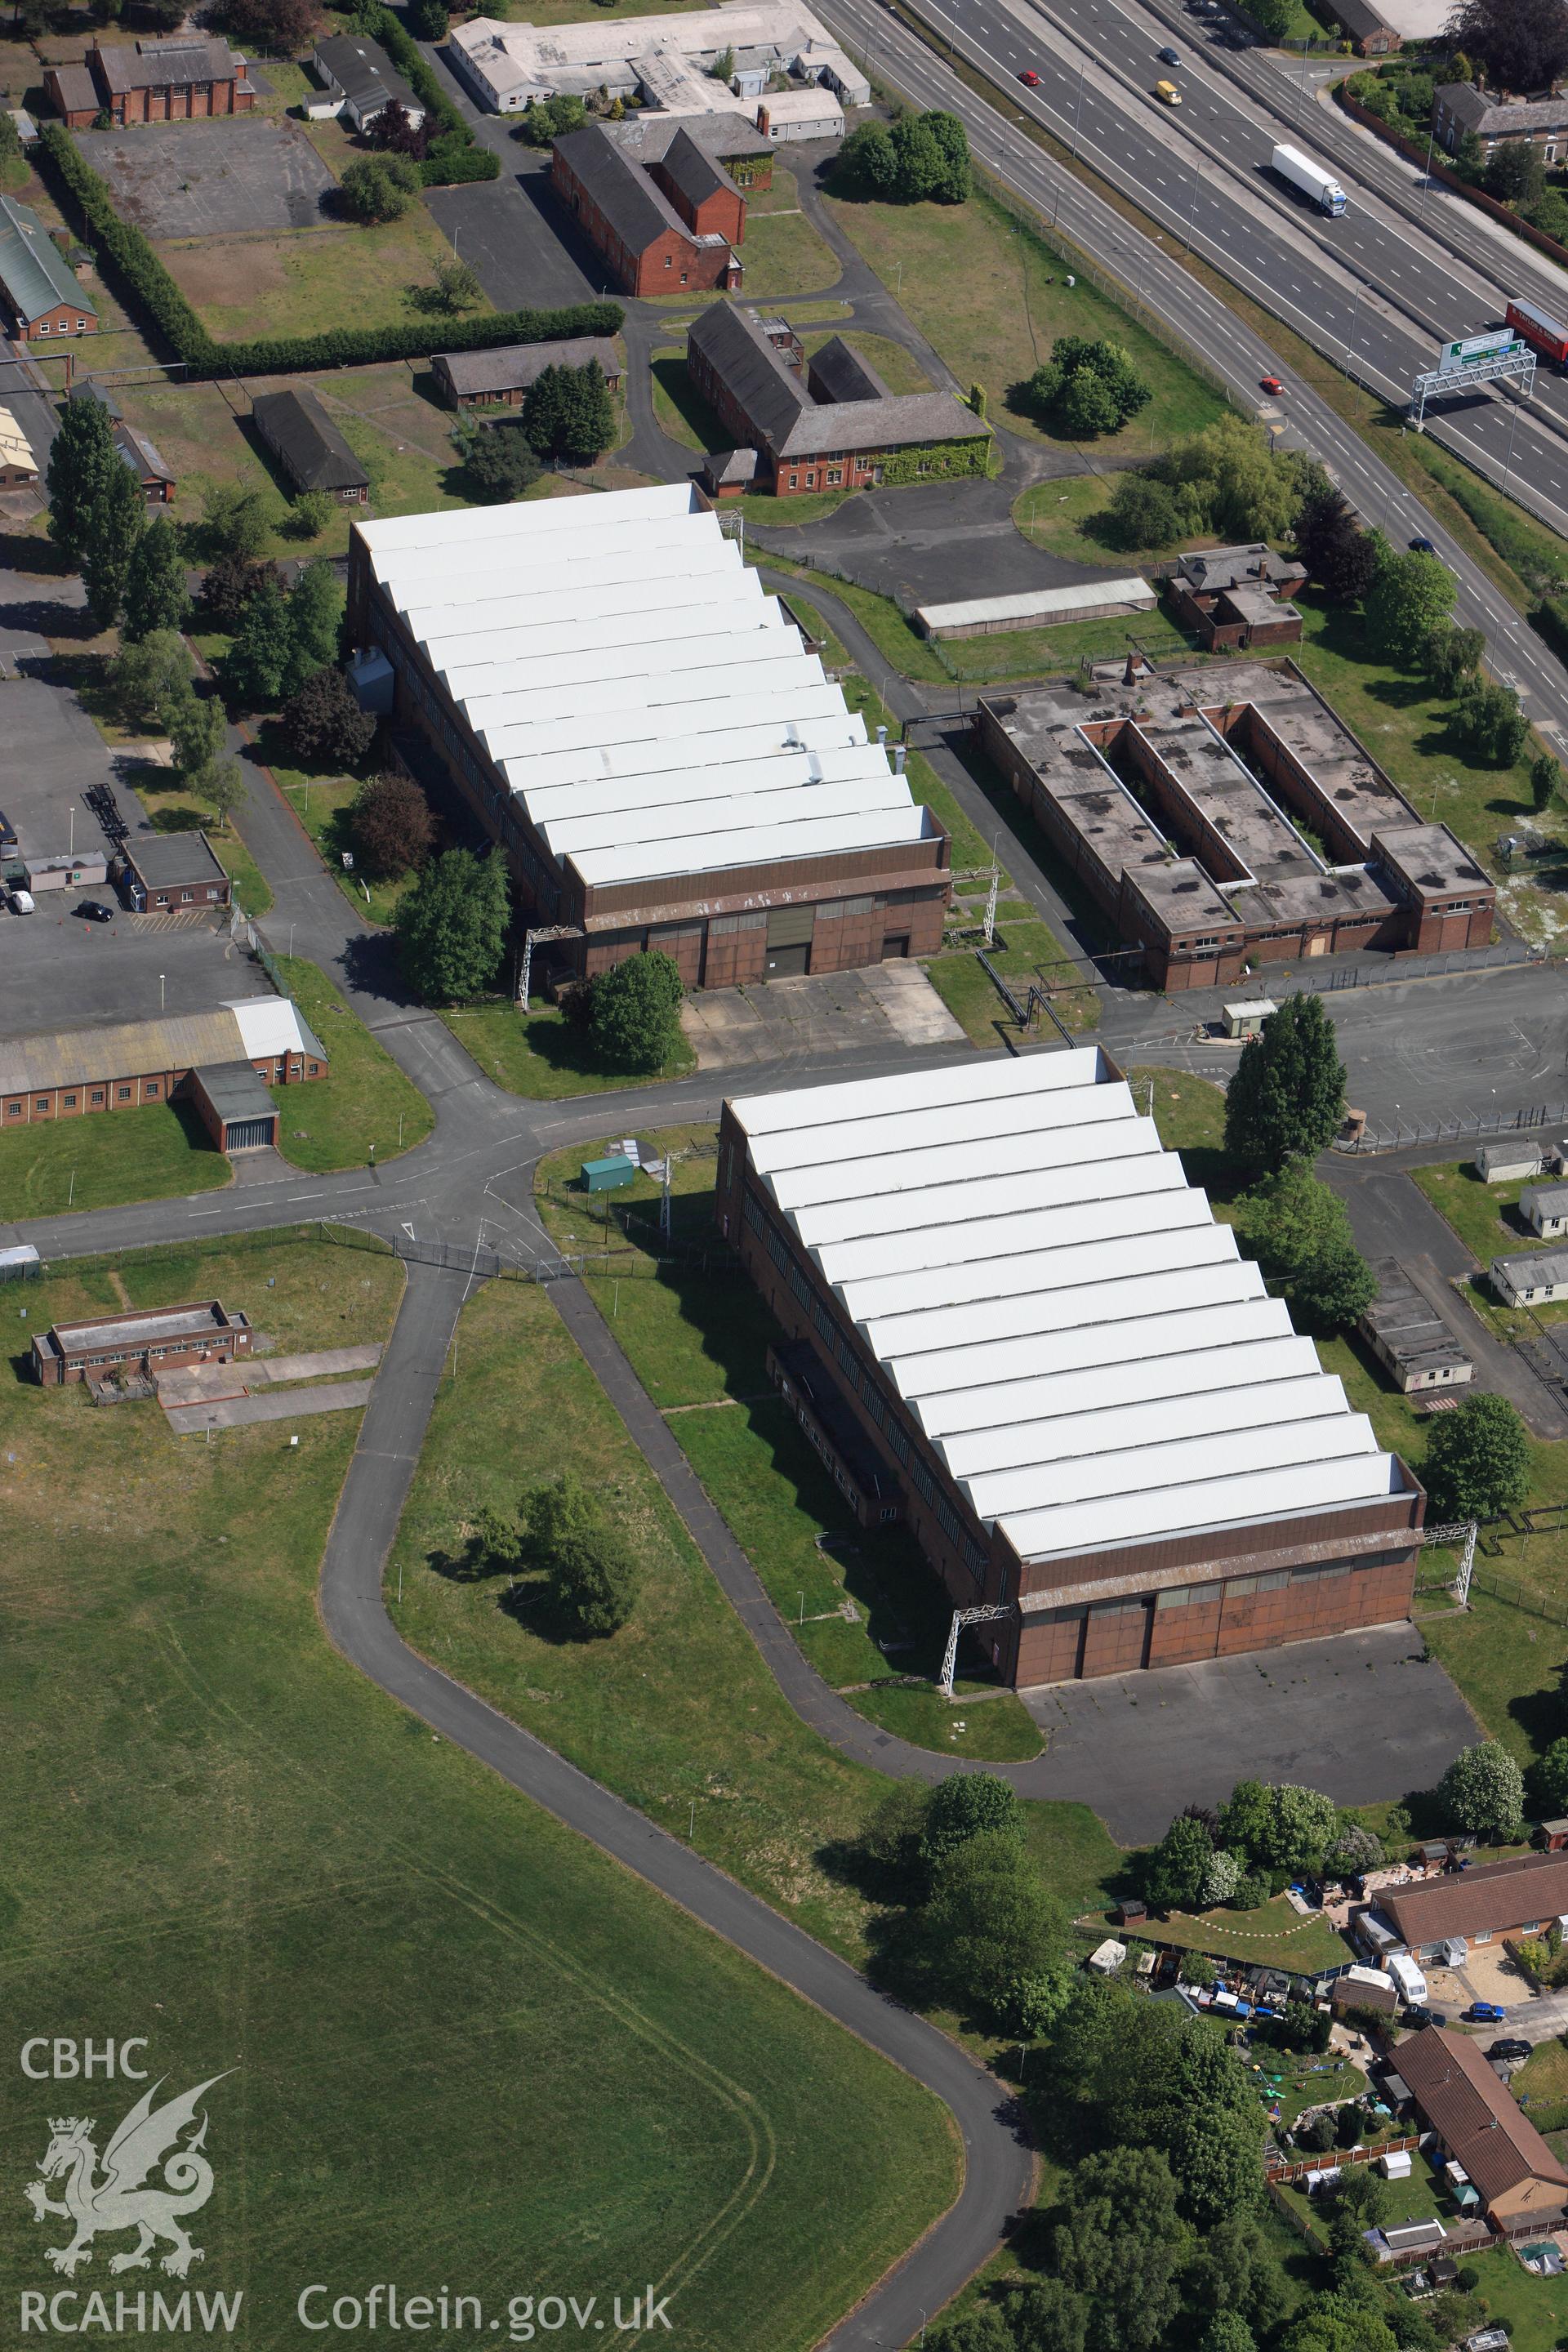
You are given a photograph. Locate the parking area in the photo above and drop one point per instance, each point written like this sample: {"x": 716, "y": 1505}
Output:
{"x": 1358, "y": 1716}
{"x": 211, "y": 179}
{"x": 56, "y": 970}
{"x": 519, "y": 241}
{"x": 882, "y": 1007}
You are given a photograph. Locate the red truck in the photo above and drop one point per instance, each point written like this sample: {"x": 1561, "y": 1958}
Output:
{"x": 1540, "y": 330}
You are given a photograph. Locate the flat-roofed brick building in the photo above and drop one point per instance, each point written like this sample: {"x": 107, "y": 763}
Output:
{"x": 1215, "y": 831}
{"x": 141, "y": 1340}
{"x": 1104, "y": 1426}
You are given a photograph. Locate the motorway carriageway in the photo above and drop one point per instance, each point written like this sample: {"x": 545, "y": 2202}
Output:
{"x": 1307, "y": 269}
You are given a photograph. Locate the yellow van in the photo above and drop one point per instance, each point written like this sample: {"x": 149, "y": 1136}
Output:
{"x": 1167, "y": 93}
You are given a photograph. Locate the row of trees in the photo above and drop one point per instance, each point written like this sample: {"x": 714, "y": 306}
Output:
{"x": 921, "y": 158}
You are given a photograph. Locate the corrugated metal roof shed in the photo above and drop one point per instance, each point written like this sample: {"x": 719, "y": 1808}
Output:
{"x": 254, "y": 1027}
{"x": 1094, "y": 1360}
{"x": 1037, "y": 603}
{"x": 585, "y": 646}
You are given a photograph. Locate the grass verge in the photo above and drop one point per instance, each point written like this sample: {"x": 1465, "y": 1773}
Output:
{"x": 152, "y": 1151}
{"x": 227, "y": 1840}
{"x": 542, "y": 1056}
{"x": 864, "y": 1605}
{"x": 365, "y": 1108}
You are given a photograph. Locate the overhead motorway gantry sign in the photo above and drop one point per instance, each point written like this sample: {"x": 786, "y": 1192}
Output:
{"x": 1473, "y": 351}
{"x": 1474, "y": 360}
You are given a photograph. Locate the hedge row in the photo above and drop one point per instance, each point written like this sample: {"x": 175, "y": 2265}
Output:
{"x": 453, "y": 155}
{"x": 144, "y": 276}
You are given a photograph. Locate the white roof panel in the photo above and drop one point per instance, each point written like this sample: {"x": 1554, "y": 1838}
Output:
{"x": 992, "y": 1427}
{"x": 544, "y": 621}
{"x": 1158, "y": 1513}
{"x": 952, "y": 1164}
{"x": 1238, "y": 1426}
{"x": 905, "y": 1220}
{"x": 1045, "y": 604}
{"x": 1091, "y": 1361}
{"x": 975, "y": 1387}
{"x": 946, "y": 1262}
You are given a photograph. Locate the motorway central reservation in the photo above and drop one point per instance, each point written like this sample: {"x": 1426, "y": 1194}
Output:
{"x": 1213, "y": 832}
{"x": 1094, "y": 1418}
{"x": 644, "y": 730}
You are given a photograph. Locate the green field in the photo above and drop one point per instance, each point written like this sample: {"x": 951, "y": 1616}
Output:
{"x": 543, "y": 1057}
{"x": 365, "y": 1108}
{"x": 1274, "y": 1933}
{"x": 865, "y": 1612}
{"x": 991, "y": 296}
{"x": 465, "y": 2050}
{"x": 150, "y": 1152}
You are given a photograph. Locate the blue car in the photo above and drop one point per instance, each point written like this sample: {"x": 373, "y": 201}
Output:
{"x": 1486, "y": 2013}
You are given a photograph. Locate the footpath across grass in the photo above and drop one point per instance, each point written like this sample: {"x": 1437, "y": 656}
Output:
{"x": 865, "y": 1606}
{"x": 227, "y": 1840}
{"x": 365, "y": 1108}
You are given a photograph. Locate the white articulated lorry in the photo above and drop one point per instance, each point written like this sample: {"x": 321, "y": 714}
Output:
{"x": 1310, "y": 178}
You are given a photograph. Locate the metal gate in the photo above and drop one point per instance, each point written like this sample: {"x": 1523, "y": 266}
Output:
{"x": 248, "y": 1134}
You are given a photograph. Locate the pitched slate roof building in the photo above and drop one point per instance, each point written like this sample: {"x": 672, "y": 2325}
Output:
{"x": 40, "y": 296}
{"x": 1482, "y": 2128}
{"x": 361, "y": 81}
{"x": 656, "y": 227}
{"x": 643, "y": 730}
{"x": 471, "y": 379}
{"x": 309, "y": 447}
{"x": 1460, "y": 107}
{"x": 1102, "y": 1424}
{"x": 171, "y": 79}
{"x": 156, "y": 478}
{"x": 829, "y": 424}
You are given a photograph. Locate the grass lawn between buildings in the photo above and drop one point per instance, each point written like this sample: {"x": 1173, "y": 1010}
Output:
{"x": 152, "y": 1152}
{"x": 229, "y": 1841}
{"x": 865, "y": 1612}
{"x": 991, "y": 296}
{"x": 365, "y": 1108}
{"x": 541, "y": 1055}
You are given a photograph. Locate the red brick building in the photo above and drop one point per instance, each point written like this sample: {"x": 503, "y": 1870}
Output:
{"x": 116, "y": 1066}
{"x": 143, "y": 1340}
{"x": 1059, "y": 1369}
{"x": 40, "y": 299}
{"x": 1236, "y": 599}
{"x": 644, "y": 732}
{"x": 173, "y": 80}
{"x": 676, "y": 221}
{"x": 829, "y": 423}
{"x": 1213, "y": 833}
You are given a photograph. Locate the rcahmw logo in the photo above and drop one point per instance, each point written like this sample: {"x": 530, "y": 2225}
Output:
{"x": 151, "y": 2177}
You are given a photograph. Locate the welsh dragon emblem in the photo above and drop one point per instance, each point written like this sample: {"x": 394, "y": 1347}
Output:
{"x": 118, "y": 2198}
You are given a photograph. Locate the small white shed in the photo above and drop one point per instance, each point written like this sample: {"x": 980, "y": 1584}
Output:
{"x": 1107, "y": 1958}
{"x": 1396, "y": 2165}
{"x": 1544, "y": 1208}
{"x": 1502, "y": 1163}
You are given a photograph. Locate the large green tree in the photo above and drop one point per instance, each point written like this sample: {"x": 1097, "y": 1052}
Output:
{"x": 82, "y": 462}
{"x": 1332, "y": 545}
{"x": 592, "y": 1578}
{"x": 1287, "y": 1099}
{"x": 633, "y": 1022}
{"x": 257, "y": 665}
{"x": 1215, "y": 2158}
{"x": 1477, "y": 1460}
{"x": 867, "y": 161}
{"x": 150, "y": 678}
{"x": 452, "y": 926}
{"x": 315, "y": 615}
{"x": 1408, "y": 596}
{"x": 1121, "y": 2247}
{"x": 967, "y": 1805}
{"x": 118, "y": 522}
{"x": 988, "y": 1923}
{"x": 1178, "y": 1868}
{"x": 156, "y": 595}
{"x": 1491, "y": 727}
{"x": 1482, "y": 1793}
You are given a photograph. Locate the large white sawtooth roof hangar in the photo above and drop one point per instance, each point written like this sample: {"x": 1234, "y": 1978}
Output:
{"x": 652, "y": 707}
{"x": 1086, "y": 1350}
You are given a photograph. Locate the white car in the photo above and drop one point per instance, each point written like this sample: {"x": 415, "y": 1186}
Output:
{"x": 22, "y": 902}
